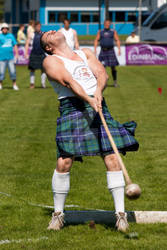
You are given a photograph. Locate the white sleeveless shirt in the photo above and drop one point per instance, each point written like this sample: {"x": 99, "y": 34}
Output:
{"x": 69, "y": 35}
{"x": 80, "y": 72}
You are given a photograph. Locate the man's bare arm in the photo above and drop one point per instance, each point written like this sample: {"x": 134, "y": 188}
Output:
{"x": 76, "y": 40}
{"x": 97, "y": 68}
{"x": 55, "y": 70}
{"x": 116, "y": 38}
{"x": 27, "y": 46}
{"x": 96, "y": 41}
{"x": 99, "y": 72}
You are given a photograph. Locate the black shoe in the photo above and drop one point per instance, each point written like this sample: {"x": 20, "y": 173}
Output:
{"x": 114, "y": 85}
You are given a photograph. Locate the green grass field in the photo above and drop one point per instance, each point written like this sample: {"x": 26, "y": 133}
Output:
{"x": 28, "y": 158}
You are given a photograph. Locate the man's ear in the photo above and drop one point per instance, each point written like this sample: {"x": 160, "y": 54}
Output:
{"x": 48, "y": 49}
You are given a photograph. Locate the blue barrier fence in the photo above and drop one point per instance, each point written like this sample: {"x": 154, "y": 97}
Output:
{"x": 92, "y": 29}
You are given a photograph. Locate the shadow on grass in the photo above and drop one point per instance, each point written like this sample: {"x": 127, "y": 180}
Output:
{"x": 75, "y": 217}
{"x": 37, "y": 87}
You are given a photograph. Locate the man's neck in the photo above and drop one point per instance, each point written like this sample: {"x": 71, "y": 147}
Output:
{"x": 67, "y": 53}
{"x": 64, "y": 51}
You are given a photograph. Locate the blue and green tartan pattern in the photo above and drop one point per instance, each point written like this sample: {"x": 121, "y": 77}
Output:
{"x": 80, "y": 131}
{"x": 108, "y": 58}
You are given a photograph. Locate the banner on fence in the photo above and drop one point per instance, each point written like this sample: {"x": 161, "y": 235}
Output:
{"x": 21, "y": 55}
{"x": 131, "y": 54}
{"x": 146, "y": 54}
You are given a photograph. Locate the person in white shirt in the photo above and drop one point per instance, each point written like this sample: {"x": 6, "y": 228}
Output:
{"x": 133, "y": 38}
{"x": 30, "y": 31}
{"x": 70, "y": 35}
{"x": 79, "y": 80}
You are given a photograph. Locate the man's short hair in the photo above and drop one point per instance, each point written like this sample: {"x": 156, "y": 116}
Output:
{"x": 107, "y": 20}
{"x": 43, "y": 45}
{"x": 37, "y": 23}
{"x": 67, "y": 20}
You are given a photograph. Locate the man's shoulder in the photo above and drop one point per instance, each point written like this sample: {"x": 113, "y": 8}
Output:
{"x": 50, "y": 59}
{"x": 112, "y": 31}
{"x": 128, "y": 38}
{"x": 53, "y": 65}
{"x": 136, "y": 36}
{"x": 73, "y": 30}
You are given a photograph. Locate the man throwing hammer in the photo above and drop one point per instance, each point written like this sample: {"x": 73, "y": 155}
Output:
{"x": 79, "y": 80}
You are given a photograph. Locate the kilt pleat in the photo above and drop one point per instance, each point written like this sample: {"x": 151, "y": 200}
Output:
{"x": 108, "y": 58}
{"x": 80, "y": 131}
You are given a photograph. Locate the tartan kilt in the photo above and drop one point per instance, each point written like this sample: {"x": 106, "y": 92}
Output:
{"x": 80, "y": 131}
{"x": 35, "y": 61}
{"x": 108, "y": 57}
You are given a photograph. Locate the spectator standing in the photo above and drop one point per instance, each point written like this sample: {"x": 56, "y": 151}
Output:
{"x": 107, "y": 56}
{"x": 21, "y": 37}
{"x": 70, "y": 35}
{"x": 7, "y": 43}
{"x": 36, "y": 57}
{"x": 133, "y": 38}
{"x": 30, "y": 31}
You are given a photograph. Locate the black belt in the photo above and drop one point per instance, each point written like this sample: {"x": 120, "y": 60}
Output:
{"x": 106, "y": 49}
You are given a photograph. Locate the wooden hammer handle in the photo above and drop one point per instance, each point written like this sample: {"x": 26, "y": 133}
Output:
{"x": 127, "y": 178}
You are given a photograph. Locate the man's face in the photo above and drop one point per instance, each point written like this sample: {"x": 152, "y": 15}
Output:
{"x": 52, "y": 38}
{"x": 5, "y": 30}
{"x": 107, "y": 24}
{"x": 37, "y": 27}
{"x": 66, "y": 24}
{"x": 48, "y": 36}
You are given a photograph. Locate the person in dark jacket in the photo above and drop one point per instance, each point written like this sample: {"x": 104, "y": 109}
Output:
{"x": 107, "y": 56}
{"x": 37, "y": 56}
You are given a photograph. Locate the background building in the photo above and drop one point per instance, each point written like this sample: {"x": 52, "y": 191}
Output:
{"x": 87, "y": 16}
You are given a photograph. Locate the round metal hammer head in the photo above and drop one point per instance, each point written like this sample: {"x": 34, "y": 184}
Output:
{"x": 133, "y": 191}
